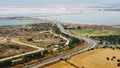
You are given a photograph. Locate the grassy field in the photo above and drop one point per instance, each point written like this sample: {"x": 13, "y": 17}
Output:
{"x": 91, "y": 59}
{"x": 91, "y": 32}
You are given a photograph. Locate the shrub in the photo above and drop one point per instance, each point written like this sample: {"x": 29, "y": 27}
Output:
{"x": 118, "y": 60}
{"x": 107, "y": 58}
{"x": 118, "y": 64}
{"x": 113, "y": 57}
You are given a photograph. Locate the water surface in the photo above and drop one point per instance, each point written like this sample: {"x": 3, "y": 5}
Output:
{"x": 103, "y": 18}
{"x": 12, "y": 22}
{"x": 100, "y": 18}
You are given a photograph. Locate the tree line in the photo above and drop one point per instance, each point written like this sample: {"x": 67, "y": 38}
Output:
{"x": 108, "y": 40}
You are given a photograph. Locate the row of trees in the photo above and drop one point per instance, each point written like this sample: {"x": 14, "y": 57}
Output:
{"x": 109, "y": 40}
{"x": 34, "y": 56}
{"x": 6, "y": 63}
{"x": 25, "y": 59}
{"x": 74, "y": 41}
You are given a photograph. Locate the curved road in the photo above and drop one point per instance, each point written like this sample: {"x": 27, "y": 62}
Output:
{"x": 88, "y": 45}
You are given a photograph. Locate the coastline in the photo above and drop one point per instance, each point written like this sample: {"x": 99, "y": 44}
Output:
{"x": 32, "y": 20}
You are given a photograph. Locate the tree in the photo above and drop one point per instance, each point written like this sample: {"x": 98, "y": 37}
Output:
{"x": 6, "y": 63}
{"x": 78, "y": 27}
{"x": 118, "y": 64}
{"x": 45, "y": 52}
{"x": 114, "y": 57}
{"x": 37, "y": 55}
{"x": 82, "y": 67}
{"x": 61, "y": 59}
{"x": 17, "y": 47}
{"x": 30, "y": 39}
{"x": 56, "y": 29}
{"x": 28, "y": 57}
{"x": 74, "y": 42}
{"x": 118, "y": 60}
{"x": 107, "y": 58}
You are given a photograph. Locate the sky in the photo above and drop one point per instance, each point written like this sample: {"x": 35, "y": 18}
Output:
{"x": 52, "y": 6}
{"x": 57, "y": 3}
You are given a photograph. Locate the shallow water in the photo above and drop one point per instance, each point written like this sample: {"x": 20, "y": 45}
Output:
{"x": 12, "y": 22}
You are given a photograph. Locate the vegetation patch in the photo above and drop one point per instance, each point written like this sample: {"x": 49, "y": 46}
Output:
{"x": 44, "y": 39}
{"x": 108, "y": 40}
{"x": 93, "y": 32}
{"x": 8, "y": 49}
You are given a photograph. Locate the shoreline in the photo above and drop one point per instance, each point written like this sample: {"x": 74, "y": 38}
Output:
{"x": 95, "y": 17}
{"x": 32, "y": 20}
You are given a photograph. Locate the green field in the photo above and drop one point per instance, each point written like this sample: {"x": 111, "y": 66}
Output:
{"x": 92, "y": 32}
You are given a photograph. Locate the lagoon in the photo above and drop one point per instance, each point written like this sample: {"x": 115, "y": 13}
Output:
{"x": 12, "y": 22}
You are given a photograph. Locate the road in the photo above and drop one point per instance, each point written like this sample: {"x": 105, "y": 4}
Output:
{"x": 91, "y": 43}
{"x": 33, "y": 46}
{"x": 23, "y": 54}
{"x": 67, "y": 41}
{"x": 88, "y": 45}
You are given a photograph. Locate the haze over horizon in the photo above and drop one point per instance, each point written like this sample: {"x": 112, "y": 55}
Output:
{"x": 85, "y": 11}
{"x": 58, "y": 3}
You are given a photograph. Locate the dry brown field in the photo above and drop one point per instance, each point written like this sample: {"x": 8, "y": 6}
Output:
{"x": 91, "y": 59}
{"x": 61, "y": 64}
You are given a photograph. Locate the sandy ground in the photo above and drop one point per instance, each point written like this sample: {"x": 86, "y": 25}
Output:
{"x": 91, "y": 59}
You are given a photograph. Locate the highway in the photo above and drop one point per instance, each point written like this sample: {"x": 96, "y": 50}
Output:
{"x": 88, "y": 45}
